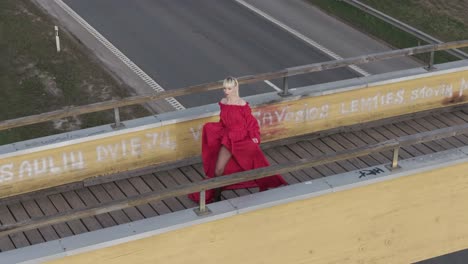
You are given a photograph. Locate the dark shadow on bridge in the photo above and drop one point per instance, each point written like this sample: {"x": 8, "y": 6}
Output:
{"x": 458, "y": 257}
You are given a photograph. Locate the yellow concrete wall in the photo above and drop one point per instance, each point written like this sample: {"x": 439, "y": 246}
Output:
{"x": 403, "y": 220}
{"x": 38, "y": 169}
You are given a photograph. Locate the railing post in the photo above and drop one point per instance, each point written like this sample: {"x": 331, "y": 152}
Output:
{"x": 117, "y": 123}
{"x": 285, "y": 91}
{"x": 202, "y": 209}
{"x": 395, "y": 159}
{"x": 430, "y": 66}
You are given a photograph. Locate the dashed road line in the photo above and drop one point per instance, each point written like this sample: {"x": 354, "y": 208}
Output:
{"x": 274, "y": 86}
{"x": 300, "y": 36}
{"x": 145, "y": 77}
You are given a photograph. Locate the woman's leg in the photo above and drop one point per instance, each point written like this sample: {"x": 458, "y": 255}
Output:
{"x": 223, "y": 158}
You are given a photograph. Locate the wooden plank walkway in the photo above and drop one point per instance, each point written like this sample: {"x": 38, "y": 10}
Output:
{"x": 14, "y": 211}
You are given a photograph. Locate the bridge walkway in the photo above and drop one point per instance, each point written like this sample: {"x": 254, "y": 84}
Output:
{"x": 312, "y": 145}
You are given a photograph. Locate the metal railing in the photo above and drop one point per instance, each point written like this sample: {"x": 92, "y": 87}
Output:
{"x": 284, "y": 74}
{"x": 218, "y": 182}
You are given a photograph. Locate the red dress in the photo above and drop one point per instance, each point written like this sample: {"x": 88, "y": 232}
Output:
{"x": 235, "y": 130}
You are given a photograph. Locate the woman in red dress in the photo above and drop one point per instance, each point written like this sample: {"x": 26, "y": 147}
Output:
{"x": 232, "y": 145}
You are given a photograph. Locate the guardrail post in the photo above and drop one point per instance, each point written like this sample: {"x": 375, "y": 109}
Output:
{"x": 285, "y": 91}
{"x": 57, "y": 38}
{"x": 395, "y": 159}
{"x": 202, "y": 209}
{"x": 430, "y": 66}
{"x": 117, "y": 123}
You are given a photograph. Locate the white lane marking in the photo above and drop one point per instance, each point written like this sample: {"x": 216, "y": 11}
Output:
{"x": 274, "y": 86}
{"x": 145, "y": 77}
{"x": 300, "y": 36}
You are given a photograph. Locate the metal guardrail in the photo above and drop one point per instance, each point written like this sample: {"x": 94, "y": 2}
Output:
{"x": 284, "y": 73}
{"x": 394, "y": 144}
{"x": 405, "y": 27}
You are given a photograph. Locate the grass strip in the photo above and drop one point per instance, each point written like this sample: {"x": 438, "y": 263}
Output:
{"x": 446, "y": 20}
{"x": 378, "y": 28}
{"x": 34, "y": 78}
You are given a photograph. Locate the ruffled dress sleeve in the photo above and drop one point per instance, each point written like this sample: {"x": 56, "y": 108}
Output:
{"x": 252, "y": 124}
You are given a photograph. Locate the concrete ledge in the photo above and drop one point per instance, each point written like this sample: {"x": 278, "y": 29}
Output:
{"x": 160, "y": 224}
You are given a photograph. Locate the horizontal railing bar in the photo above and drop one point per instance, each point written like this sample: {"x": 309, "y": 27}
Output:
{"x": 375, "y": 57}
{"x": 101, "y": 106}
{"x": 433, "y": 135}
{"x": 309, "y": 68}
{"x": 192, "y": 187}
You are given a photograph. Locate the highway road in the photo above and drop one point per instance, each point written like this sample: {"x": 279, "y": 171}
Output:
{"x": 182, "y": 43}
{"x": 331, "y": 33}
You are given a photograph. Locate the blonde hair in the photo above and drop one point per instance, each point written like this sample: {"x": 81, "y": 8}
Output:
{"x": 231, "y": 82}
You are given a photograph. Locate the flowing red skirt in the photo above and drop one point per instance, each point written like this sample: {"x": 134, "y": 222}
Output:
{"x": 246, "y": 155}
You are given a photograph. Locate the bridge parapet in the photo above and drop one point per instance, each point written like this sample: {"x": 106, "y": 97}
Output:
{"x": 175, "y": 136}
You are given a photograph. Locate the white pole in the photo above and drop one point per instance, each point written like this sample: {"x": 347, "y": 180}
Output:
{"x": 57, "y": 39}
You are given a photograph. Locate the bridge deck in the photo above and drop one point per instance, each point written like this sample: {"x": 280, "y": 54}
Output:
{"x": 13, "y": 211}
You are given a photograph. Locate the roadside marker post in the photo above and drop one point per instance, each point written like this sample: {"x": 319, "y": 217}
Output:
{"x": 57, "y": 39}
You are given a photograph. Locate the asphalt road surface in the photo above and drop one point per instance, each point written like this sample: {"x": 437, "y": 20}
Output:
{"x": 182, "y": 43}
{"x": 331, "y": 33}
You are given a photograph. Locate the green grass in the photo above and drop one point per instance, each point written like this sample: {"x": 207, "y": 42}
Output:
{"x": 34, "y": 78}
{"x": 433, "y": 21}
{"x": 377, "y": 28}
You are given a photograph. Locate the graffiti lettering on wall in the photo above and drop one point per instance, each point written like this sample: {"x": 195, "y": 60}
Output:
{"x": 399, "y": 97}
{"x": 70, "y": 161}
{"x": 76, "y": 160}
{"x": 443, "y": 90}
{"x": 270, "y": 116}
{"x": 196, "y": 132}
{"x": 135, "y": 147}
{"x": 372, "y": 103}
{"x": 150, "y": 144}
{"x": 463, "y": 86}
